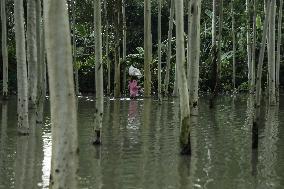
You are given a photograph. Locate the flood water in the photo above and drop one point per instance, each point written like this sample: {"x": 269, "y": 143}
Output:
{"x": 141, "y": 151}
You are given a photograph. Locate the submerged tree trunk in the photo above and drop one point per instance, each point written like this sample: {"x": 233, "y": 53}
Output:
{"x": 62, "y": 96}
{"x": 4, "y": 49}
{"x": 214, "y": 59}
{"x": 107, "y": 46}
{"x": 249, "y": 55}
{"x": 159, "y": 51}
{"x": 261, "y": 57}
{"x": 147, "y": 48}
{"x": 194, "y": 54}
{"x": 183, "y": 90}
{"x": 32, "y": 52}
{"x": 124, "y": 45}
{"x": 234, "y": 44}
{"x": 169, "y": 48}
{"x": 253, "y": 49}
{"x": 279, "y": 49}
{"x": 117, "y": 92}
{"x": 220, "y": 37}
{"x": 74, "y": 48}
{"x": 40, "y": 62}
{"x": 99, "y": 73}
{"x": 22, "y": 81}
{"x": 271, "y": 56}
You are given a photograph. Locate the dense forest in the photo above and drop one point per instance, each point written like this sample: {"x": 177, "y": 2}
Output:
{"x": 61, "y": 50}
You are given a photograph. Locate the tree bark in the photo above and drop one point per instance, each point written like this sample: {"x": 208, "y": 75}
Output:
{"x": 182, "y": 82}
{"x": 107, "y": 47}
{"x": 124, "y": 45}
{"x": 169, "y": 48}
{"x": 32, "y": 52}
{"x": 249, "y": 47}
{"x": 279, "y": 49}
{"x": 41, "y": 63}
{"x": 271, "y": 56}
{"x": 159, "y": 51}
{"x": 194, "y": 53}
{"x": 77, "y": 87}
{"x": 147, "y": 48}
{"x": 22, "y": 78}
{"x": 65, "y": 150}
{"x": 261, "y": 57}
{"x": 99, "y": 73}
{"x": 234, "y": 44}
{"x": 220, "y": 37}
{"x": 252, "y": 84}
{"x": 4, "y": 49}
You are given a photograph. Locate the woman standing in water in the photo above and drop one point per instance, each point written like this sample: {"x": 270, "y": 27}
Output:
{"x": 133, "y": 87}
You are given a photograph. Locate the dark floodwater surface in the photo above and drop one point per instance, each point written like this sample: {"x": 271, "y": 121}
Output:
{"x": 140, "y": 147}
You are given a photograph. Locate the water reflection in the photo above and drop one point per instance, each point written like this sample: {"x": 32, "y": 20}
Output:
{"x": 141, "y": 149}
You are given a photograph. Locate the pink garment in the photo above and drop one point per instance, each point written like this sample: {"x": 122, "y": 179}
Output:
{"x": 133, "y": 88}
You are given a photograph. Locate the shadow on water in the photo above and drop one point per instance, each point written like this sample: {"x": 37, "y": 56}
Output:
{"x": 141, "y": 147}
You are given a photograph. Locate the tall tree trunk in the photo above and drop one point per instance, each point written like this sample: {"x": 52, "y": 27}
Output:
{"x": 279, "y": 49}
{"x": 117, "y": 92}
{"x": 77, "y": 88}
{"x": 271, "y": 56}
{"x": 22, "y": 76}
{"x": 124, "y": 45}
{"x": 117, "y": 83}
{"x": 261, "y": 57}
{"x": 220, "y": 37}
{"x": 249, "y": 55}
{"x": 183, "y": 90}
{"x": 41, "y": 63}
{"x": 32, "y": 52}
{"x": 107, "y": 47}
{"x": 194, "y": 9}
{"x": 169, "y": 48}
{"x": 147, "y": 48}
{"x": 99, "y": 73}
{"x": 159, "y": 51}
{"x": 4, "y": 49}
{"x": 253, "y": 48}
{"x": 62, "y": 96}
{"x": 234, "y": 44}
{"x": 214, "y": 58}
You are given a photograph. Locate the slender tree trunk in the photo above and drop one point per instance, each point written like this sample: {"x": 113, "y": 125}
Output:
{"x": 279, "y": 49}
{"x": 99, "y": 73}
{"x": 22, "y": 78}
{"x": 107, "y": 47}
{"x": 117, "y": 83}
{"x": 147, "y": 48}
{"x": 65, "y": 149}
{"x": 169, "y": 48}
{"x": 214, "y": 58}
{"x": 124, "y": 45}
{"x": 249, "y": 54}
{"x": 117, "y": 92}
{"x": 261, "y": 57}
{"x": 252, "y": 84}
{"x": 234, "y": 44}
{"x": 41, "y": 63}
{"x": 220, "y": 37}
{"x": 32, "y": 52}
{"x": 182, "y": 82}
{"x": 271, "y": 57}
{"x": 159, "y": 51}
{"x": 194, "y": 54}
{"x": 77, "y": 88}
{"x": 4, "y": 49}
